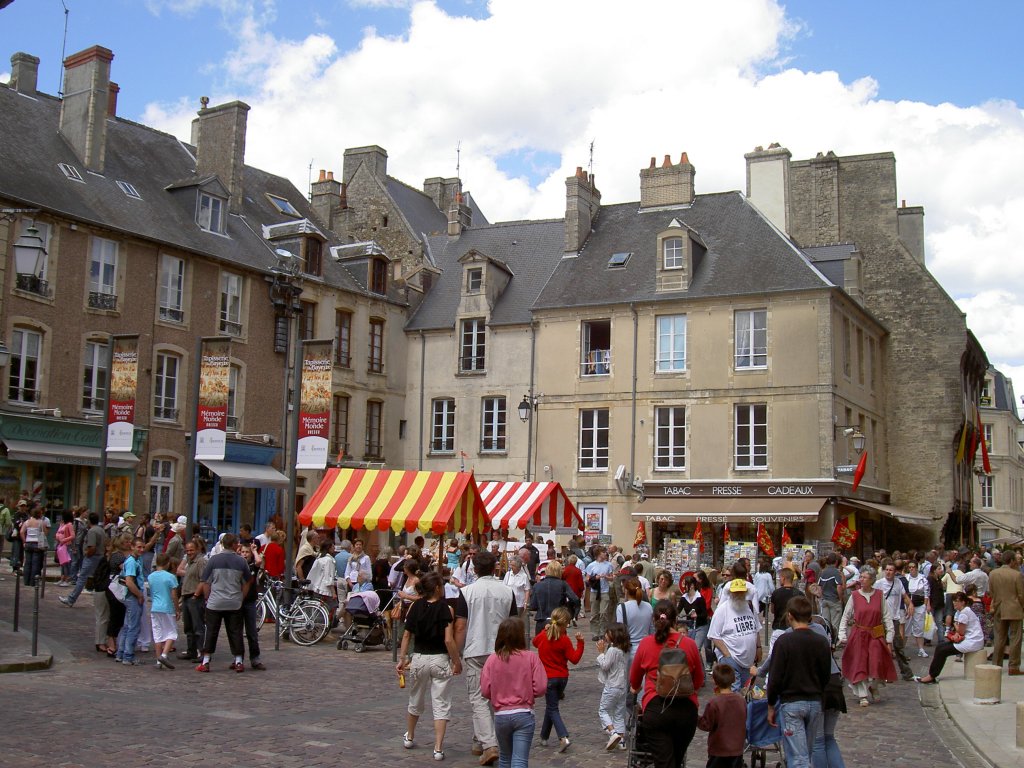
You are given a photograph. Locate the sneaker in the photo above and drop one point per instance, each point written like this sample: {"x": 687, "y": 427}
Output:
{"x": 203, "y": 667}
{"x": 490, "y": 756}
{"x": 142, "y": 649}
{"x": 257, "y": 665}
{"x": 186, "y": 656}
{"x": 959, "y": 659}
{"x": 563, "y": 744}
{"x": 622, "y": 746}
{"x": 438, "y": 754}
{"x": 63, "y": 600}
{"x": 863, "y": 702}
{"x": 163, "y": 661}
{"x": 238, "y": 666}
{"x": 543, "y": 742}
{"x": 131, "y": 662}
{"x": 613, "y": 741}
{"x": 922, "y": 653}
{"x": 407, "y": 742}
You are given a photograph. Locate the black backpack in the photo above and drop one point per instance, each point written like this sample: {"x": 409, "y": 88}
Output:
{"x": 101, "y": 577}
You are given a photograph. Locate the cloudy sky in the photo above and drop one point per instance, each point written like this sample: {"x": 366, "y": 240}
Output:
{"x": 523, "y": 87}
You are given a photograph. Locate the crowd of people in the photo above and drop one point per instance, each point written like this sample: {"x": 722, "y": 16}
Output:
{"x": 507, "y": 618}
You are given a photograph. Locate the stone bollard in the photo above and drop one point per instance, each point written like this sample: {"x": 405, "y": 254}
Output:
{"x": 988, "y": 681}
{"x": 1020, "y": 723}
{"x": 972, "y": 660}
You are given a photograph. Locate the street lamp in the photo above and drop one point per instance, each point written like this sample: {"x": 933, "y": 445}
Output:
{"x": 29, "y": 258}
{"x": 524, "y": 409}
{"x": 527, "y": 409}
{"x": 854, "y": 433}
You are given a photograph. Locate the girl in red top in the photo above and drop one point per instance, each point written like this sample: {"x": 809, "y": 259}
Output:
{"x": 556, "y": 651}
{"x": 273, "y": 555}
{"x": 669, "y": 724}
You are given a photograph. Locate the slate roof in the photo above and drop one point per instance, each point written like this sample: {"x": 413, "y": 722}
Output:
{"x": 529, "y": 249}
{"x": 745, "y": 255}
{"x": 1003, "y": 392}
{"x": 419, "y": 210}
{"x": 162, "y": 170}
{"x": 831, "y": 260}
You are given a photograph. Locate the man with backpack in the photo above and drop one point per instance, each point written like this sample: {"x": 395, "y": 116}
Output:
{"x": 94, "y": 547}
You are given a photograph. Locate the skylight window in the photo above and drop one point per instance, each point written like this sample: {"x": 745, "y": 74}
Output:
{"x": 70, "y": 172}
{"x": 283, "y": 205}
{"x": 618, "y": 260}
{"x": 128, "y": 189}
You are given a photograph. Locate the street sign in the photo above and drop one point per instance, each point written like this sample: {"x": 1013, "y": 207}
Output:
{"x": 846, "y": 469}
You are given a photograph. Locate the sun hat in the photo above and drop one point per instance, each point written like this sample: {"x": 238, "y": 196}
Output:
{"x": 182, "y": 520}
{"x": 738, "y": 585}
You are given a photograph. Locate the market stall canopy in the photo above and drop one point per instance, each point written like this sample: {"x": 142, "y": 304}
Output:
{"x": 379, "y": 499}
{"x": 538, "y": 505}
{"x": 760, "y": 509}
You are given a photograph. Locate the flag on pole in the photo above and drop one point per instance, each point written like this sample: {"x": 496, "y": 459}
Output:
{"x": 844, "y": 535}
{"x": 764, "y": 541}
{"x": 858, "y": 475}
{"x": 962, "y": 447}
{"x": 698, "y": 534}
{"x": 641, "y": 535}
{"x": 786, "y": 540}
{"x": 985, "y": 463}
{"x": 725, "y": 534}
{"x": 976, "y": 436}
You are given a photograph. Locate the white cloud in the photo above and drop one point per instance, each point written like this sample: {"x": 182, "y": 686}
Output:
{"x": 707, "y": 78}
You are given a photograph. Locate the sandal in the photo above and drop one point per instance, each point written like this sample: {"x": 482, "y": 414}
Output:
{"x": 863, "y": 702}
{"x": 101, "y": 648}
{"x": 922, "y": 681}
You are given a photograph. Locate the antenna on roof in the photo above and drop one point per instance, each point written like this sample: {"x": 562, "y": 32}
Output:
{"x": 309, "y": 180}
{"x": 63, "y": 49}
{"x": 590, "y": 166}
{"x": 458, "y": 159}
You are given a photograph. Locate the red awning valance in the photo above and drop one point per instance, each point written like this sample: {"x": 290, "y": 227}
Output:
{"x": 537, "y": 505}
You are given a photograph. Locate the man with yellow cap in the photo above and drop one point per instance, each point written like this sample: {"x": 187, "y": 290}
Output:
{"x": 735, "y": 632}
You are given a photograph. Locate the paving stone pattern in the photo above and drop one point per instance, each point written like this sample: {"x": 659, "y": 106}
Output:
{"x": 320, "y": 706}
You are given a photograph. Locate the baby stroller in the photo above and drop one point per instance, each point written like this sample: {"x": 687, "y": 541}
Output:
{"x": 762, "y": 738}
{"x": 369, "y": 619}
{"x": 639, "y": 752}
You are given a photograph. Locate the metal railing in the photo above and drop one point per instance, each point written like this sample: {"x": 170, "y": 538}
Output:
{"x": 99, "y": 300}
{"x": 32, "y": 284}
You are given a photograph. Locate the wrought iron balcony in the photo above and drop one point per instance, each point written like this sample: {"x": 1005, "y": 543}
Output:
{"x": 98, "y": 300}
{"x": 32, "y": 284}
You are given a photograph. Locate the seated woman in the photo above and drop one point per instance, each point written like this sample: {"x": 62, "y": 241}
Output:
{"x": 965, "y": 637}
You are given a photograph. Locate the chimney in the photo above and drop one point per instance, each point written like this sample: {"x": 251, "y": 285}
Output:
{"x": 910, "y": 227}
{"x": 768, "y": 183}
{"x": 220, "y": 147}
{"x": 374, "y": 158}
{"x": 112, "y": 99}
{"x": 326, "y": 198}
{"x": 83, "y": 109}
{"x": 582, "y": 203}
{"x": 24, "y": 73}
{"x": 442, "y": 191}
{"x": 459, "y": 215}
{"x": 668, "y": 185}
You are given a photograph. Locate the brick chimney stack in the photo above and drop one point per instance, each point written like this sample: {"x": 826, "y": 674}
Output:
{"x": 24, "y": 73}
{"x": 112, "y": 100}
{"x": 582, "y": 204}
{"x": 83, "y": 110}
{"x": 220, "y": 147}
{"x": 459, "y": 214}
{"x": 442, "y": 191}
{"x": 668, "y": 185}
{"x": 327, "y": 198}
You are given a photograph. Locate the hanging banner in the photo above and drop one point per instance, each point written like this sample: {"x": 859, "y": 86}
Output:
{"x": 124, "y": 379}
{"x": 212, "y": 419}
{"x": 315, "y": 407}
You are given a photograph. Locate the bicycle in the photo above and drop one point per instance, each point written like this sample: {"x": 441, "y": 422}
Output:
{"x": 306, "y": 619}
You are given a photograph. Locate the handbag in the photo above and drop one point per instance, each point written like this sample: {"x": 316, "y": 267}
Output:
{"x": 63, "y": 556}
{"x": 118, "y": 589}
{"x": 929, "y": 624}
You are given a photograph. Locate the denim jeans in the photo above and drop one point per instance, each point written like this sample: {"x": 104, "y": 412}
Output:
{"x": 89, "y": 564}
{"x": 742, "y": 672}
{"x": 130, "y": 631}
{"x": 826, "y": 750}
{"x": 552, "y": 717}
{"x": 800, "y": 721}
{"x": 33, "y": 566}
{"x": 515, "y": 733}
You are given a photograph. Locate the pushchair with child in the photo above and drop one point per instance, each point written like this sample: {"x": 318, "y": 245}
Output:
{"x": 368, "y": 614}
{"x": 762, "y": 737}
{"x": 639, "y": 752}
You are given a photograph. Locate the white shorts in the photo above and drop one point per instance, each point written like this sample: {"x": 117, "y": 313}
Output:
{"x": 164, "y": 627}
{"x": 430, "y": 675}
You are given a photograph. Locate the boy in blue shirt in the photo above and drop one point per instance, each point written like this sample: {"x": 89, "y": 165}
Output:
{"x": 165, "y": 609}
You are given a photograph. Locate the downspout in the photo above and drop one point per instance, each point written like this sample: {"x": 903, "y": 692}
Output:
{"x": 632, "y": 429}
{"x": 423, "y": 375}
{"x": 533, "y": 415}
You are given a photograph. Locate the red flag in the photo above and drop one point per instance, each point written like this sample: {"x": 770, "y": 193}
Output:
{"x": 786, "y": 540}
{"x": 764, "y": 541}
{"x": 725, "y": 534}
{"x": 698, "y": 534}
{"x": 641, "y": 535}
{"x": 844, "y": 535}
{"x": 858, "y": 475}
{"x": 985, "y": 463}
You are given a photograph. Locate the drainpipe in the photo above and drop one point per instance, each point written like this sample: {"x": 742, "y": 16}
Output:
{"x": 533, "y": 404}
{"x": 423, "y": 374}
{"x": 632, "y": 429}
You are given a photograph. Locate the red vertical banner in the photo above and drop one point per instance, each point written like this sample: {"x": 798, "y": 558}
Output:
{"x": 698, "y": 535}
{"x": 764, "y": 541}
{"x": 786, "y": 539}
{"x": 212, "y": 419}
{"x": 315, "y": 407}
{"x": 124, "y": 380}
{"x": 725, "y": 534}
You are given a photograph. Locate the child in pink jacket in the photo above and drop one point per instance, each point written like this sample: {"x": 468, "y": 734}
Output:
{"x": 512, "y": 678}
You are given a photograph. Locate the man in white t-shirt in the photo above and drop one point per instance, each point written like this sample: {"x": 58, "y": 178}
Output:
{"x": 735, "y": 633}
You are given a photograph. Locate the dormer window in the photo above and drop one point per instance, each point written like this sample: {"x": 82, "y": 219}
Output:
{"x": 474, "y": 279}
{"x": 379, "y": 276}
{"x": 314, "y": 263}
{"x": 283, "y": 206}
{"x": 672, "y": 251}
{"x": 210, "y": 213}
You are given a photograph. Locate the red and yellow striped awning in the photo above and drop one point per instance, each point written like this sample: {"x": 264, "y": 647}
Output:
{"x": 538, "y": 505}
{"x": 379, "y": 499}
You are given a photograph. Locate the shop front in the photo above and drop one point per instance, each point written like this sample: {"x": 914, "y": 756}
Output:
{"x": 56, "y": 461}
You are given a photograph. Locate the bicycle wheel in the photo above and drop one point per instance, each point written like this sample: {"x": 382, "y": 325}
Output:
{"x": 308, "y": 623}
{"x": 261, "y": 614}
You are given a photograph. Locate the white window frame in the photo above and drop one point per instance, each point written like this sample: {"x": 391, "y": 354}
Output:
{"x": 375, "y": 361}
{"x": 494, "y": 425}
{"x": 442, "y": 425}
{"x": 165, "y": 386}
{"x": 670, "y": 357}
{"x": 24, "y": 366}
{"x": 594, "y": 440}
{"x": 670, "y": 438}
{"x": 103, "y": 255}
{"x": 172, "y": 289}
{"x": 374, "y": 447}
{"x": 232, "y": 293}
{"x": 94, "y": 377}
{"x": 234, "y": 378}
{"x": 751, "y": 338}
{"x": 749, "y": 453}
{"x": 210, "y": 211}
{"x": 473, "y": 346}
{"x": 988, "y": 489}
{"x": 673, "y": 253}
{"x": 474, "y": 279}
{"x": 161, "y": 485}
{"x": 986, "y": 431}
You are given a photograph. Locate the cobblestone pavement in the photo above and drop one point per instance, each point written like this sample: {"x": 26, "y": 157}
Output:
{"x": 319, "y": 706}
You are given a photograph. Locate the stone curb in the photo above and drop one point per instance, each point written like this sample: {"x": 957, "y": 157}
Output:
{"x": 27, "y": 664}
{"x": 931, "y": 697}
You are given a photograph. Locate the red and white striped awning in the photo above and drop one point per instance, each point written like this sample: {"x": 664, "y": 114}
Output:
{"x": 542, "y": 506}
